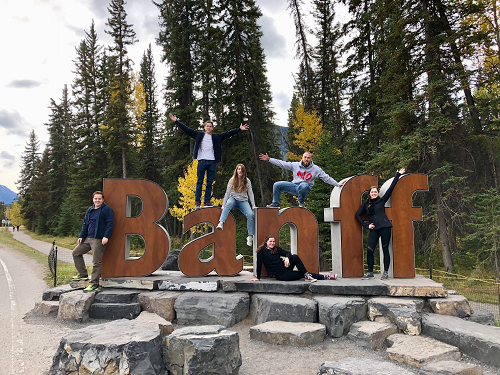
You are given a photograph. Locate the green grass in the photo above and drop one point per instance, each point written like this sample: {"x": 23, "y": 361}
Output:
{"x": 64, "y": 270}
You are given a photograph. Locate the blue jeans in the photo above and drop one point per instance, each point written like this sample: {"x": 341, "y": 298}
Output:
{"x": 205, "y": 165}
{"x": 300, "y": 190}
{"x": 244, "y": 207}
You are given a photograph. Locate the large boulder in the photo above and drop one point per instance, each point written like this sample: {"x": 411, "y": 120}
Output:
{"x": 288, "y": 333}
{"x": 482, "y": 317}
{"x": 49, "y": 308}
{"x": 454, "y": 305}
{"x": 403, "y": 312}
{"x": 212, "y": 308}
{"x": 202, "y": 350}
{"x": 53, "y": 294}
{"x": 159, "y": 302}
{"x": 172, "y": 261}
{"x": 267, "y": 307}
{"x": 75, "y": 306}
{"x": 120, "y": 347}
{"x": 339, "y": 313}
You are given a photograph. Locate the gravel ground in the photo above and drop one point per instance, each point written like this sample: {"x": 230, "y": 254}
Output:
{"x": 41, "y": 336}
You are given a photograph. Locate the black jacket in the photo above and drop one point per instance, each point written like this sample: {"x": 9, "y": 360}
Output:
{"x": 376, "y": 211}
{"x": 274, "y": 264}
{"x": 104, "y": 223}
{"x": 217, "y": 139}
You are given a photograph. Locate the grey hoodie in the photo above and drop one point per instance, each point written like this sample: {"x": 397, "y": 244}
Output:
{"x": 304, "y": 174}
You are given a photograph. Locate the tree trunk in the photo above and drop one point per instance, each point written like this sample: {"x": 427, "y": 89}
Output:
{"x": 124, "y": 163}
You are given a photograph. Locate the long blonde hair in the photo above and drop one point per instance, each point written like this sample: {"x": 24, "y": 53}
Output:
{"x": 240, "y": 184}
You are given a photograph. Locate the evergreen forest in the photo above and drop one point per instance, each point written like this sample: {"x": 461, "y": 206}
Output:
{"x": 410, "y": 83}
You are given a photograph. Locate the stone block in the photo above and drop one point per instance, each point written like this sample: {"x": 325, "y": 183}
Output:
{"x": 116, "y": 296}
{"x": 114, "y": 311}
{"x": 454, "y": 305}
{"x": 270, "y": 285}
{"x": 49, "y": 308}
{"x": 474, "y": 339}
{"x": 371, "y": 335}
{"x": 202, "y": 350}
{"x": 211, "y": 308}
{"x": 415, "y": 287}
{"x": 118, "y": 347}
{"x": 450, "y": 368}
{"x": 268, "y": 307}
{"x": 155, "y": 321}
{"x": 160, "y": 303}
{"x": 189, "y": 284}
{"x": 339, "y": 313}
{"x": 288, "y": 333}
{"x": 482, "y": 317}
{"x": 403, "y": 312}
{"x": 361, "y": 366}
{"x": 75, "y": 306}
{"x": 53, "y": 294}
{"x": 418, "y": 350}
{"x": 130, "y": 283}
{"x": 80, "y": 284}
{"x": 350, "y": 287}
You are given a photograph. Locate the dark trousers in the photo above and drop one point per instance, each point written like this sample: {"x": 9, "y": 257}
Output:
{"x": 289, "y": 274}
{"x": 375, "y": 234}
{"x": 210, "y": 167}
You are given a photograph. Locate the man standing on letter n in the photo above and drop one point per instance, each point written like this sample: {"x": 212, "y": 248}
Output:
{"x": 304, "y": 174}
{"x": 96, "y": 230}
{"x": 208, "y": 150}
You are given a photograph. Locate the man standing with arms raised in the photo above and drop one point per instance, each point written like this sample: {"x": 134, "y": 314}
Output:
{"x": 208, "y": 150}
{"x": 96, "y": 230}
{"x": 304, "y": 174}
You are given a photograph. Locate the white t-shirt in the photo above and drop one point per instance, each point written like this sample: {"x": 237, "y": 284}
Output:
{"x": 206, "y": 150}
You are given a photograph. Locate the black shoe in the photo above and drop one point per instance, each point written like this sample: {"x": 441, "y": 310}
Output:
{"x": 368, "y": 275}
{"x": 273, "y": 205}
{"x": 206, "y": 205}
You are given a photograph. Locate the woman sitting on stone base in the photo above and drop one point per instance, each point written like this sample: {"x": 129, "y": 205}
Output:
{"x": 282, "y": 269}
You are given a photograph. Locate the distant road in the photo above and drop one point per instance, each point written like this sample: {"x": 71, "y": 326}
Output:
{"x": 63, "y": 254}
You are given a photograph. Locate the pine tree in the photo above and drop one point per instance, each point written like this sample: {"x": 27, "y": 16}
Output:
{"x": 90, "y": 101}
{"x": 30, "y": 158}
{"x": 60, "y": 155}
{"x": 329, "y": 79}
{"x": 150, "y": 153}
{"x": 304, "y": 81}
{"x": 248, "y": 95}
{"x": 118, "y": 132}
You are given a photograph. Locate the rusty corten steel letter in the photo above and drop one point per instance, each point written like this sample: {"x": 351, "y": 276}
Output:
{"x": 304, "y": 232}
{"x": 402, "y": 213}
{"x": 155, "y": 205}
{"x": 224, "y": 241}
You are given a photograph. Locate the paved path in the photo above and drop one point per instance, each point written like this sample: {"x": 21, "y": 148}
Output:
{"x": 63, "y": 254}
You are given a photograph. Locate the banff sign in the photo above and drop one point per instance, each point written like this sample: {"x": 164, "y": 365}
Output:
{"x": 346, "y": 232}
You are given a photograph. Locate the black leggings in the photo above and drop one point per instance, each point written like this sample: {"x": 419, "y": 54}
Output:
{"x": 289, "y": 275}
{"x": 375, "y": 234}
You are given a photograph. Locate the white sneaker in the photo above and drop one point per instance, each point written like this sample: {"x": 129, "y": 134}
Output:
{"x": 249, "y": 240}
{"x": 220, "y": 225}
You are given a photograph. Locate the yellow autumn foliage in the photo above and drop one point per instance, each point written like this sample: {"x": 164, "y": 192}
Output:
{"x": 187, "y": 188}
{"x": 308, "y": 130}
{"x": 14, "y": 214}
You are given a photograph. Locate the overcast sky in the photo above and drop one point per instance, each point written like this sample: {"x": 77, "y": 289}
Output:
{"x": 38, "y": 49}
